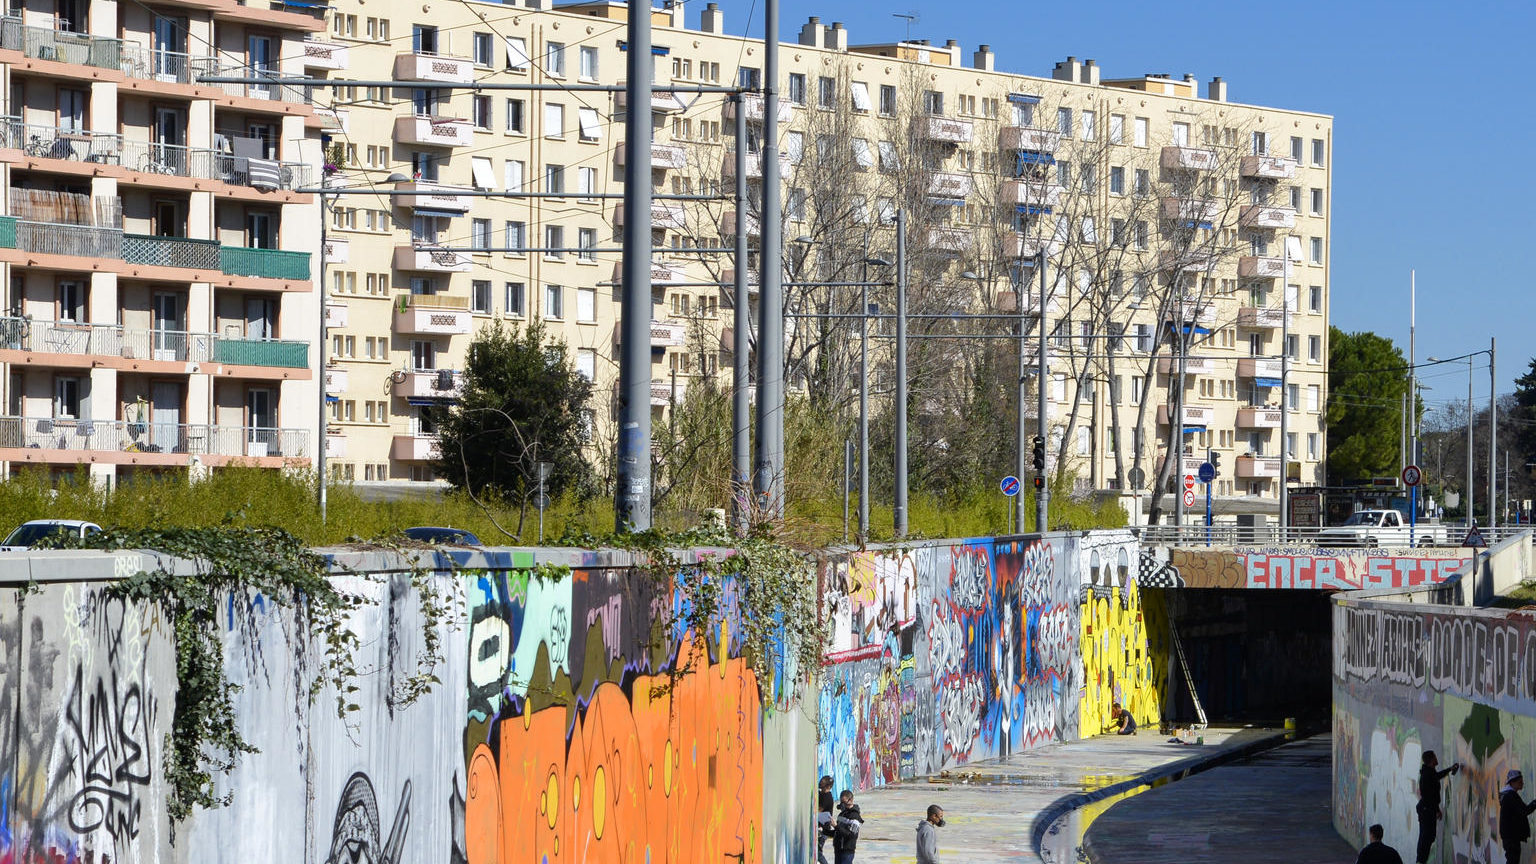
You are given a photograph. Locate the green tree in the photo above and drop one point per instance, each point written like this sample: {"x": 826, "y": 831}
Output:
{"x": 523, "y": 403}
{"x": 1367, "y": 379}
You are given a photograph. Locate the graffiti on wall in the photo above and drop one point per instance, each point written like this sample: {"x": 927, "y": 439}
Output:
{"x": 1315, "y": 568}
{"x": 1124, "y": 640}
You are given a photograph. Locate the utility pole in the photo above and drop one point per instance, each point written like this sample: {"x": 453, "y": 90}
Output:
{"x": 1493, "y": 432}
{"x": 1042, "y": 494}
{"x": 320, "y": 345}
{"x": 741, "y": 409}
{"x": 632, "y": 507}
{"x": 899, "y": 510}
{"x": 1021, "y": 460}
{"x": 864, "y": 400}
{"x": 769, "y": 484}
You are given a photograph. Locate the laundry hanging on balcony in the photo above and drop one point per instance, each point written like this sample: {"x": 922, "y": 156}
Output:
{"x": 264, "y": 173}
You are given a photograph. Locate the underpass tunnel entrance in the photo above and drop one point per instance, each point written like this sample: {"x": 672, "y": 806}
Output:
{"x": 1253, "y": 656}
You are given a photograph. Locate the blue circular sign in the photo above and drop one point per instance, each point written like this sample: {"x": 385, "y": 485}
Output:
{"x": 1010, "y": 485}
{"x": 1207, "y": 472}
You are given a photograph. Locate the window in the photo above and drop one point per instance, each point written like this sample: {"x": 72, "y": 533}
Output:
{"x": 860, "y": 92}
{"x": 863, "y": 159}
{"x": 887, "y": 100}
{"x": 482, "y": 49}
{"x": 886, "y": 208}
{"x": 554, "y": 242}
{"x": 515, "y": 116}
{"x": 554, "y": 301}
{"x": 1143, "y": 182}
{"x": 482, "y": 112}
{"x": 66, "y": 397}
{"x": 516, "y": 237}
{"x": 423, "y": 355}
{"x": 889, "y": 159}
{"x": 1064, "y": 122}
{"x": 1142, "y": 236}
{"x": 586, "y": 241}
{"x": 1084, "y": 441}
{"x": 514, "y": 171}
{"x": 588, "y": 127}
{"x": 1312, "y": 445}
{"x": 480, "y": 233}
{"x": 72, "y": 302}
{"x": 1296, "y": 145}
{"x": 586, "y": 363}
{"x": 586, "y": 180}
{"x": 1140, "y": 132}
{"x": 1292, "y": 396}
{"x": 1137, "y": 381}
{"x": 826, "y": 92}
{"x": 1292, "y": 345}
{"x": 747, "y": 77}
{"x": 1090, "y": 233}
{"x": 554, "y": 59}
{"x": 512, "y": 298}
{"x": 586, "y": 305}
{"x": 1317, "y": 202}
{"x": 554, "y": 178}
{"x": 517, "y": 54}
{"x": 1317, "y": 250}
{"x": 1117, "y": 128}
{"x": 1090, "y": 178}
{"x": 796, "y": 205}
{"x": 1064, "y": 174}
{"x": 1090, "y": 120}
{"x": 482, "y": 173}
{"x": 1296, "y": 198}
{"x": 1314, "y": 397}
{"x": 588, "y": 69}
{"x": 794, "y": 147}
{"x": 797, "y": 88}
{"x": 1315, "y": 298}
{"x": 480, "y": 296}
{"x": 1143, "y": 344}
{"x": 1260, "y": 144}
{"x": 1181, "y": 134}
{"x": 554, "y": 120}
{"x": 1117, "y": 180}
{"x": 1319, "y": 151}
{"x": 1315, "y": 349}
{"x": 933, "y": 103}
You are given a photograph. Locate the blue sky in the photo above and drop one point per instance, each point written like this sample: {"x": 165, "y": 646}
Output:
{"x": 1434, "y": 166}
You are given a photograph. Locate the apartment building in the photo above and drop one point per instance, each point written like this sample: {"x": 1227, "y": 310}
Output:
{"x": 158, "y": 247}
{"x": 996, "y": 166}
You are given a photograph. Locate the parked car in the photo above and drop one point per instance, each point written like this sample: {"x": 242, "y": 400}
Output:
{"x": 29, "y": 534}
{"x": 1382, "y": 528}
{"x": 444, "y": 536}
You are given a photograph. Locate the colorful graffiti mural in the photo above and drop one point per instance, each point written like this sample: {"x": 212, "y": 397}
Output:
{"x": 1316, "y": 568}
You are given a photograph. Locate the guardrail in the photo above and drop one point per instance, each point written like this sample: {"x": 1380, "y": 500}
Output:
{"x": 1230, "y": 534}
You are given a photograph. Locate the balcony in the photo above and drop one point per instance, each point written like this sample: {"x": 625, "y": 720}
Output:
{"x": 663, "y": 102}
{"x": 1199, "y": 314}
{"x": 174, "y": 346}
{"x": 1254, "y": 367}
{"x": 1187, "y": 210}
{"x": 946, "y": 129}
{"x": 415, "y": 447}
{"x": 319, "y": 54}
{"x": 1016, "y": 245}
{"x": 167, "y": 67}
{"x": 170, "y": 252}
{"x": 336, "y": 314}
{"x": 46, "y": 439}
{"x": 1028, "y": 138}
{"x": 754, "y": 165}
{"x": 665, "y": 390}
{"x": 448, "y": 200}
{"x": 1257, "y": 318}
{"x": 43, "y": 43}
{"x": 1264, "y": 216}
{"x": 336, "y": 380}
{"x": 1258, "y": 418}
{"x": 945, "y": 184}
{"x": 265, "y": 263}
{"x": 278, "y": 353}
{"x": 1259, "y": 267}
{"x": 84, "y": 241}
{"x": 954, "y": 240}
{"x": 427, "y": 259}
{"x": 337, "y": 250}
{"x": 662, "y": 272}
{"x": 662, "y": 216}
{"x": 334, "y": 119}
{"x": 728, "y": 224}
{"x": 174, "y": 160}
{"x": 1194, "y": 415}
{"x": 754, "y": 104}
{"x": 423, "y": 130}
{"x": 1197, "y": 259}
{"x": 444, "y": 384}
{"x": 1268, "y": 167}
{"x": 68, "y": 145}
{"x": 434, "y": 67}
{"x": 666, "y": 334}
{"x": 335, "y": 446}
{"x": 261, "y": 92}
{"x": 440, "y": 314}
{"x": 1190, "y": 159}
{"x": 1258, "y": 467}
{"x": 1192, "y": 365}
{"x": 1030, "y": 193}
{"x": 663, "y": 156}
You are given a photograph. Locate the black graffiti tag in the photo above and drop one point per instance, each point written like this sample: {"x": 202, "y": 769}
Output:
{"x": 110, "y": 726}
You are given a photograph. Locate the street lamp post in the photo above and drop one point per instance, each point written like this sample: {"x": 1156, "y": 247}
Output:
{"x": 1493, "y": 429}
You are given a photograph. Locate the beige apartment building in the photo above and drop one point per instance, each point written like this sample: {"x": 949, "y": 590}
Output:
{"x": 158, "y": 252}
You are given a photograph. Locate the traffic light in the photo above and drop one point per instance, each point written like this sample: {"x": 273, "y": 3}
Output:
{"x": 1215, "y": 459}
{"x": 1039, "y": 454}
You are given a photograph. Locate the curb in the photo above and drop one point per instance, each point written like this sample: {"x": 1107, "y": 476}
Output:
{"x": 1172, "y": 772}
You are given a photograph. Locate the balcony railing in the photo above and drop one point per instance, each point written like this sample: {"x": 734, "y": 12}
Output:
{"x": 1254, "y": 367}
{"x": 414, "y": 447}
{"x": 946, "y": 129}
{"x": 170, "y": 252}
{"x": 434, "y": 67}
{"x": 444, "y": 384}
{"x": 52, "y": 238}
{"x": 1260, "y": 267}
{"x": 272, "y": 92}
{"x": 180, "y": 346}
{"x": 1028, "y": 138}
{"x": 1192, "y": 365}
{"x": 433, "y": 196}
{"x": 205, "y": 164}
{"x": 1190, "y": 158}
{"x": 1260, "y": 318}
{"x": 171, "y": 67}
{"x": 52, "y": 142}
{"x": 1258, "y": 418}
{"x": 431, "y": 259}
{"x": 946, "y": 184}
{"x": 662, "y": 216}
{"x": 728, "y": 224}
{"x": 949, "y": 239}
{"x": 7, "y": 232}
{"x": 754, "y": 105}
{"x": 42, "y": 43}
{"x": 435, "y": 131}
{"x": 261, "y": 352}
{"x": 1191, "y": 209}
{"x": 268, "y": 263}
{"x": 1029, "y": 193}
{"x": 1258, "y": 467}
{"x": 1269, "y": 167}
{"x": 1264, "y": 216}
{"x": 1194, "y": 415}
{"x": 664, "y": 157}
{"x": 319, "y": 54}
{"x": 47, "y": 433}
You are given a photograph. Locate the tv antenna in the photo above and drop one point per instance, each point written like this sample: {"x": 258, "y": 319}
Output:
{"x": 909, "y": 17}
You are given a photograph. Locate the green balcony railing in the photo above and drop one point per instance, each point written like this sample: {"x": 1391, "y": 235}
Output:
{"x": 270, "y": 263}
{"x": 261, "y": 352}
{"x": 7, "y": 232}
{"x": 170, "y": 251}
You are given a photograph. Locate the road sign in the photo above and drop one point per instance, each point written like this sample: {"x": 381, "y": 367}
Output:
{"x": 1010, "y": 485}
{"x": 1207, "y": 472}
{"x": 1189, "y": 482}
{"x": 1412, "y": 475}
{"x": 1138, "y": 478}
{"x": 1189, "y": 497}
{"x": 1475, "y": 539}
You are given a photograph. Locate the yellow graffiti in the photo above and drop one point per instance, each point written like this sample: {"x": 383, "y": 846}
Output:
{"x": 1125, "y": 658}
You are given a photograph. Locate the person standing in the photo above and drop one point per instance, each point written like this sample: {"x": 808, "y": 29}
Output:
{"x": 928, "y": 835}
{"x": 1377, "y": 852}
{"x": 824, "y": 824}
{"x": 845, "y": 837}
{"x": 1514, "y": 816}
{"x": 1429, "y": 802}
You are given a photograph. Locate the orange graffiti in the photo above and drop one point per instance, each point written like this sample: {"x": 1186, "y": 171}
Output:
{"x": 675, "y": 777}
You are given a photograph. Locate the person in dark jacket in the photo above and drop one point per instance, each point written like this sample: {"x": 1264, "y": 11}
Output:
{"x": 1514, "y": 816}
{"x": 845, "y": 837}
{"x": 1377, "y": 852}
{"x": 824, "y": 818}
{"x": 927, "y": 837}
{"x": 1122, "y": 720}
{"x": 1429, "y": 802}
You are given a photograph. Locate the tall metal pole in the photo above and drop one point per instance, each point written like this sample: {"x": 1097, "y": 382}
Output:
{"x": 320, "y": 349}
{"x": 741, "y": 408}
{"x": 864, "y": 405}
{"x": 1412, "y": 457}
{"x": 847, "y": 473}
{"x": 1043, "y": 494}
{"x": 1020, "y": 289}
{"x": 632, "y": 504}
{"x": 1469, "y": 441}
{"x": 1285, "y": 368}
{"x": 1493, "y": 433}
{"x": 770, "y": 329}
{"x": 900, "y": 482}
{"x": 1176, "y": 422}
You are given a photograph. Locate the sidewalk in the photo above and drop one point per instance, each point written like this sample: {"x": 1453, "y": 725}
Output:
{"x": 1274, "y": 807}
{"x": 993, "y": 808}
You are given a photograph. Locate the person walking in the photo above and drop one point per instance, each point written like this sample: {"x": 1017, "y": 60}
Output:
{"x": 845, "y": 837}
{"x": 1514, "y": 816}
{"x": 928, "y": 835}
{"x": 1429, "y": 802}
{"x": 824, "y": 826}
{"x": 1377, "y": 852}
